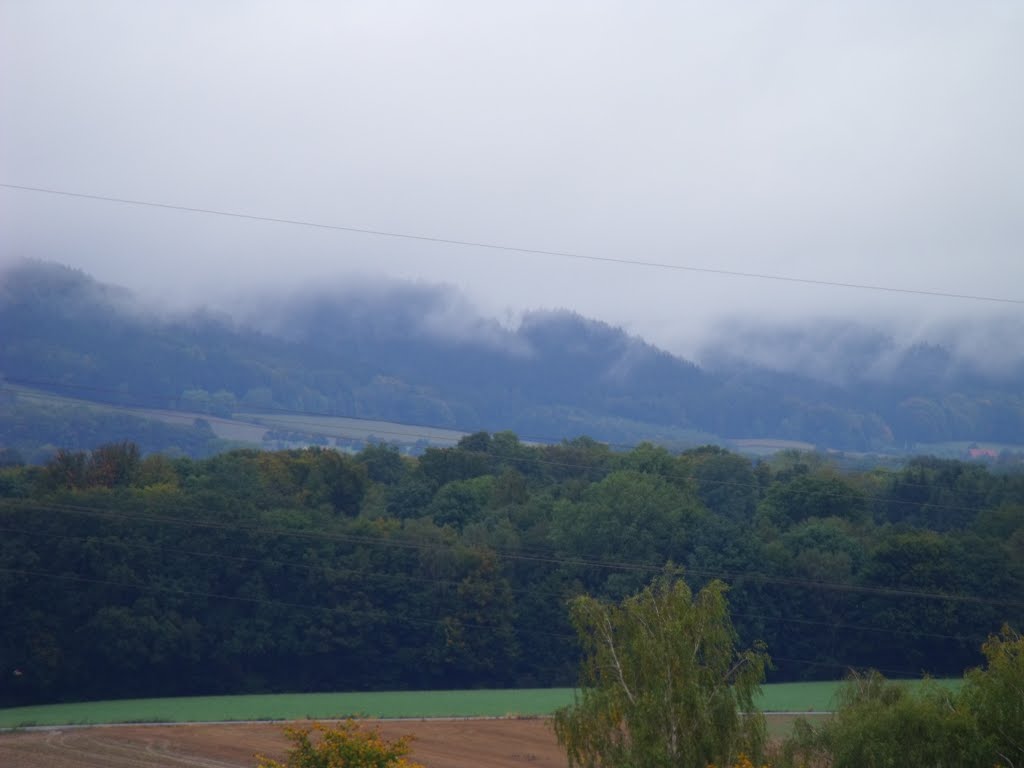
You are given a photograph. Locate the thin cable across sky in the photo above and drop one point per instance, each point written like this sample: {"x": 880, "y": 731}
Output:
{"x": 513, "y": 248}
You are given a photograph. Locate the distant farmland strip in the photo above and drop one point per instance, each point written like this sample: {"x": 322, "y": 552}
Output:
{"x": 252, "y": 427}
{"x": 769, "y": 445}
{"x": 340, "y": 426}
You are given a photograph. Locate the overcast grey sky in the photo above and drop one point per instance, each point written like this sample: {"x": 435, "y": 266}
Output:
{"x": 867, "y": 142}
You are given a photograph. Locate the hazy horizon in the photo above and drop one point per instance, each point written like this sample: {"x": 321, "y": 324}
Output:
{"x": 820, "y": 347}
{"x": 875, "y": 144}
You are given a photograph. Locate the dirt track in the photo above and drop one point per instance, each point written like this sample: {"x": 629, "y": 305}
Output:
{"x": 437, "y": 744}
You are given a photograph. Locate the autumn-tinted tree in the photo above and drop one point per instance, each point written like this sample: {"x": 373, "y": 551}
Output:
{"x": 347, "y": 744}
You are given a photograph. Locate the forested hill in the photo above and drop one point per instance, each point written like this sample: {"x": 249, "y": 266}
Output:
{"x": 251, "y": 571}
{"x": 419, "y": 356}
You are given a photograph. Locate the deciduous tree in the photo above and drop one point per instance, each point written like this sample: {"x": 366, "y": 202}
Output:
{"x": 662, "y": 682}
{"x": 996, "y": 696}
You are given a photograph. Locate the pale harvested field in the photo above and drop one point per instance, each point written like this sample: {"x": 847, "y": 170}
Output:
{"x": 438, "y": 744}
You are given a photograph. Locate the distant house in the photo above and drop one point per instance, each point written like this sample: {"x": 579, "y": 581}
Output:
{"x": 982, "y": 453}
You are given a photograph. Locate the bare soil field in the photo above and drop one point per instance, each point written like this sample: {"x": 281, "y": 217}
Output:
{"x": 437, "y": 744}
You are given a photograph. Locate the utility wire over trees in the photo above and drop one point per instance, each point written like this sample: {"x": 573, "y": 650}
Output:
{"x": 382, "y": 571}
{"x": 662, "y": 683}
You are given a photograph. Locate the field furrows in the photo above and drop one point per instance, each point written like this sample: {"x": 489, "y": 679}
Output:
{"x": 437, "y": 744}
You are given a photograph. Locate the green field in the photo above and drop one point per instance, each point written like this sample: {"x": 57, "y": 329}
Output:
{"x": 782, "y": 697}
{"x": 292, "y": 706}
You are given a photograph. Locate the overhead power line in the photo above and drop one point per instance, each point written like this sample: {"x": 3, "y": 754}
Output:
{"x": 512, "y": 248}
{"x": 522, "y": 556}
{"x": 75, "y": 578}
{"x": 388, "y": 577}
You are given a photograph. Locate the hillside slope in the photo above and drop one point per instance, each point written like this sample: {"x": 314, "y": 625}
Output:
{"x": 416, "y": 355}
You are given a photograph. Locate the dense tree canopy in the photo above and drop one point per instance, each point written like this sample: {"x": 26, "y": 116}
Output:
{"x": 125, "y": 574}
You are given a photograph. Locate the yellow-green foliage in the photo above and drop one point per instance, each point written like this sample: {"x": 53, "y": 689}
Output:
{"x": 879, "y": 723}
{"x": 347, "y": 744}
{"x": 742, "y": 761}
{"x": 662, "y": 683}
{"x": 995, "y": 695}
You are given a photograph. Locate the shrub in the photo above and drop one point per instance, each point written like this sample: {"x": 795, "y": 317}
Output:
{"x": 995, "y": 695}
{"x": 347, "y": 744}
{"x": 880, "y": 723}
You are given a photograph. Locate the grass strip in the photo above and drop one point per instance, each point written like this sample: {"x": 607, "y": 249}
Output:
{"x": 779, "y": 697}
{"x": 294, "y": 706}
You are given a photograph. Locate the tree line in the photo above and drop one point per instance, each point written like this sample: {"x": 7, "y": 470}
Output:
{"x": 124, "y": 574}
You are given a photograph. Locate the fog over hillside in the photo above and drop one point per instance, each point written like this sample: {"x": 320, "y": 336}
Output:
{"x": 373, "y": 309}
{"x": 421, "y": 354}
{"x": 652, "y": 166}
{"x": 835, "y": 350}
{"x": 856, "y": 350}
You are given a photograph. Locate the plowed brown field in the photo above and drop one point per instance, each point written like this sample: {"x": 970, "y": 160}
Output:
{"x": 437, "y": 744}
